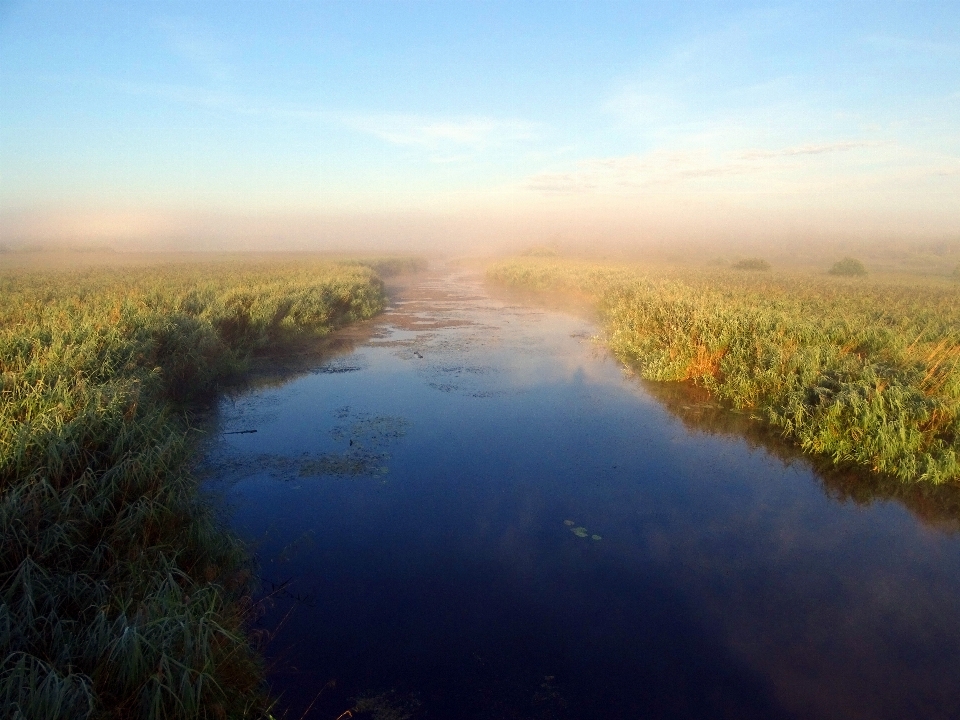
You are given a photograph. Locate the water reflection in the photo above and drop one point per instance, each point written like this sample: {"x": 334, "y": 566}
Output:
{"x": 935, "y": 505}
{"x": 457, "y": 575}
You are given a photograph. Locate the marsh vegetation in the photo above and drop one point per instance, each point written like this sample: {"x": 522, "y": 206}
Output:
{"x": 863, "y": 373}
{"x": 122, "y": 596}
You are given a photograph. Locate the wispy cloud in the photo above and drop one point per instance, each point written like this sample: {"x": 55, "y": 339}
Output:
{"x": 408, "y": 130}
{"x": 217, "y": 99}
{"x": 444, "y": 139}
{"x": 663, "y": 169}
{"x": 809, "y": 149}
{"x": 205, "y": 50}
{"x": 630, "y": 173}
{"x": 920, "y": 47}
{"x": 594, "y": 174}
{"x": 434, "y": 133}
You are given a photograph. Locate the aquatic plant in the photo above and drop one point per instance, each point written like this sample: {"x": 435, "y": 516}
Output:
{"x": 848, "y": 266}
{"x": 120, "y": 594}
{"x": 386, "y": 706}
{"x": 580, "y": 531}
{"x": 865, "y": 374}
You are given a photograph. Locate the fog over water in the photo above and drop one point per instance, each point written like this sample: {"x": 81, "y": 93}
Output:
{"x": 468, "y": 510}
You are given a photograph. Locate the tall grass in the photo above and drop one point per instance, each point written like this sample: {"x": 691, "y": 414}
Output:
{"x": 390, "y": 266}
{"x": 861, "y": 372}
{"x": 120, "y": 595}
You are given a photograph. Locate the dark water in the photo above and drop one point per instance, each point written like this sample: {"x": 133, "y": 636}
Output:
{"x": 471, "y": 511}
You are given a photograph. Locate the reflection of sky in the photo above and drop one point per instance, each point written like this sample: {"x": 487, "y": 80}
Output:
{"x": 719, "y": 569}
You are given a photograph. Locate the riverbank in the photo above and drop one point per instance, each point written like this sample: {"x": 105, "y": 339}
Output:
{"x": 121, "y": 594}
{"x": 859, "y": 371}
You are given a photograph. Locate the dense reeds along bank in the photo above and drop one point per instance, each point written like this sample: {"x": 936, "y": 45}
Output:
{"x": 120, "y": 596}
{"x": 861, "y": 371}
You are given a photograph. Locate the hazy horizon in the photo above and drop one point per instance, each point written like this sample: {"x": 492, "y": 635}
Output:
{"x": 463, "y": 126}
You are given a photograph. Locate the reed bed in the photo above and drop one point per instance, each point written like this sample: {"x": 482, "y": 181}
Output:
{"x": 120, "y": 594}
{"x": 861, "y": 371}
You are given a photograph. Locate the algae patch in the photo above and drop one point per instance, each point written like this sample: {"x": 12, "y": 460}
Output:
{"x": 348, "y": 464}
{"x": 365, "y": 437}
{"x": 387, "y": 706}
{"x": 580, "y": 531}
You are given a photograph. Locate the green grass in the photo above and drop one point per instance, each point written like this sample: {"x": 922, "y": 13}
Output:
{"x": 862, "y": 372}
{"x": 122, "y": 597}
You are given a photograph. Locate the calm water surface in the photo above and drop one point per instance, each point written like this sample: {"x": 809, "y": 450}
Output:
{"x": 472, "y": 511}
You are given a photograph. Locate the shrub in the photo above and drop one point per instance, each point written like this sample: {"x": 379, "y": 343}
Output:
{"x": 849, "y": 266}
{"x": 752, "y": 264}
{"x": 539, "y": 251}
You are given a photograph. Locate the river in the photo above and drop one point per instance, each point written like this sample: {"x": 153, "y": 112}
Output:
{"x": 466, "y": 508}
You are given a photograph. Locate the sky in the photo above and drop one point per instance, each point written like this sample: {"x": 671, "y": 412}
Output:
{"x": 212, "y": 125}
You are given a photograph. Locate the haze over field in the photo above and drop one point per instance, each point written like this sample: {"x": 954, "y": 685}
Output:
{"x": 455, "y": 125}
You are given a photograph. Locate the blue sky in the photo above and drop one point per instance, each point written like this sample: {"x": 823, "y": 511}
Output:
{"x": 127, "y": 119}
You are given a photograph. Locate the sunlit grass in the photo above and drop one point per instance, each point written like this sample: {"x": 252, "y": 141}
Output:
{"x": 864, "y": 372}
{"x": 121, "y": 595}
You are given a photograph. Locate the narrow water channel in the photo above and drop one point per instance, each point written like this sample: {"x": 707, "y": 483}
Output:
{"x": 471, "y": 511}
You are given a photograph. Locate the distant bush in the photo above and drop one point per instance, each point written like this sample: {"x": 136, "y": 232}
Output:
{"x": 848, "y": 266}
{"x": 539, "y": 251}
{"x": 956, "y": 272}
{"x": 751, "y": 264}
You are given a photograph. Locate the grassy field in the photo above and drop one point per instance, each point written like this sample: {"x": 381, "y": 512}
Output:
{"x": 863, "y": 371}
{"x": 120, "y": 595}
